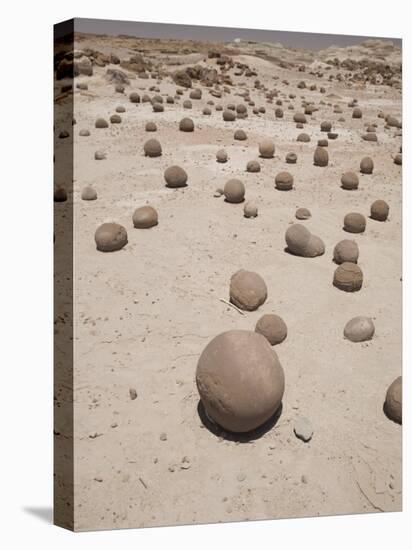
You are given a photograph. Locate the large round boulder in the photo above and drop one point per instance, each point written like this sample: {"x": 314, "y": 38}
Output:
{"x": 152, "y": 148}
{"x": 354, "y": 222}
{"x": 267, "y": 149}
{"x": 349, "y": 181}
{"x": 240, "y": 380}
{"x": 348, "y": 277}
{"x": 320, "y": 157}
{"x": 346, "y": 251}
{"x": 393, "y": 401}
{"x": 186, "y": 125}
{"x": 284, "y": 181}
{"x": 366, "y": 165}
{"x": 301, "y": 242}
{"x": 145, "y": 217}
{"x": 234, "y": 191}
{"x": 175, "y": 177}
{"x": 273, "y": 328}
{"x": 247, "y": 290}
{"x": 379, "y": 210}
{"x": 110, "y": 237}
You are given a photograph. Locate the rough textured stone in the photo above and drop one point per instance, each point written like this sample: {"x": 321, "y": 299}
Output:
{"x": 273, "y": 328}
{"x": 354, "y": 222}
{"x": 110, "y": 237}
{"x": 240, "y": 380}
{"x": 346, "y": 251}
{"x": 379, "y": 210}
{"x": 348, "y": 277}
{"x": 248, "y": 290}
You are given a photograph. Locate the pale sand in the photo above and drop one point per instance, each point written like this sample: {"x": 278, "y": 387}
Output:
{"x": 144, "y": 314}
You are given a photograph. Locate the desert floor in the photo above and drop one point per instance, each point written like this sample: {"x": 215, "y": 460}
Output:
{"x": 144, "y": 314}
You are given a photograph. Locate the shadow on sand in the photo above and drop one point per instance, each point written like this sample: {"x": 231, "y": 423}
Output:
{"x": 231, "y": 436}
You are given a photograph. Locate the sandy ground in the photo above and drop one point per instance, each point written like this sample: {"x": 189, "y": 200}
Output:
{"x": 144, "y": 314}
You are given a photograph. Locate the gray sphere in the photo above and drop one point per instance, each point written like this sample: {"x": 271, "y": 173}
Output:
{"x": 145, "y": 217}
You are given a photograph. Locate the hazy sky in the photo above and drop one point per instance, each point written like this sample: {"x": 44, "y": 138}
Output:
{"x": 160, "y": 30}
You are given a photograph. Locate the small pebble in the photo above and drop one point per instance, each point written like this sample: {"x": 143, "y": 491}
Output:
{"x": 303, "y": 429}
{"x": 133, "y": 394}
{"x": 163, "y": 436}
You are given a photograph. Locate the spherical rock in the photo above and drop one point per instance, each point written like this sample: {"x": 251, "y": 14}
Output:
{"x": 100, "y": 155}
{"x": 152, "y": 148}
{"x": 359, "y": 329}
{"x": 157, "y": 107}
{"x": 151, "y": 127}
{"x": 88, "y": 193}
{"x": 101, "y": 123}
{"x": 145, "y": 217}
{"x": 349, "y": 181}
{"x": 398, "y": 159}
{"x": 291, "y": 158}
{"x": 393, "y": 401}
{"x": 284, "y": 181}
{"x": 326, "y": 127}
{"x": 175, "y": 177}
{"x": 356, "y": 113}
{"x": 354, "y": 222}
{"x": 228, "y": 115}
{"x": 186, "y": 125}
{"x": 250, "y": 210}
{"x": 348, "y": 277}
{"x": 346, "y": 251}
{"x": 196, "y": 94}
{"x": 253, "y": 166}
{"x": 299, "y": 118}
{"x": 323, "y": 143}
{"x": 221, "y": 156}
{"x": 240, "y": 135}
{"x": 120, "y": 109}
{"x": 207, "y": 111}
{"x": 134, "y": 97}
{"x": 84, "y": 133}
{"x": 320, "y": 157}
{"x": 187, "y": 104}
{"x": 267, "y": 149}
{"x": 273, "y": 328}
{"x": 304, "y": 138}
{"x": 301, "y": 242}
{"x": 110, "y": 237}
{"x": 240, "y": 380}
{"x": 279, "y": 113}
{"x": 234, "y": 191}
{"x": 379, "y": 210}
{"x": 115, "y": 119}
{"x": 366, "y": 165}
{"x": 302, "y": 214}
{"x": 248, "y": 290}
